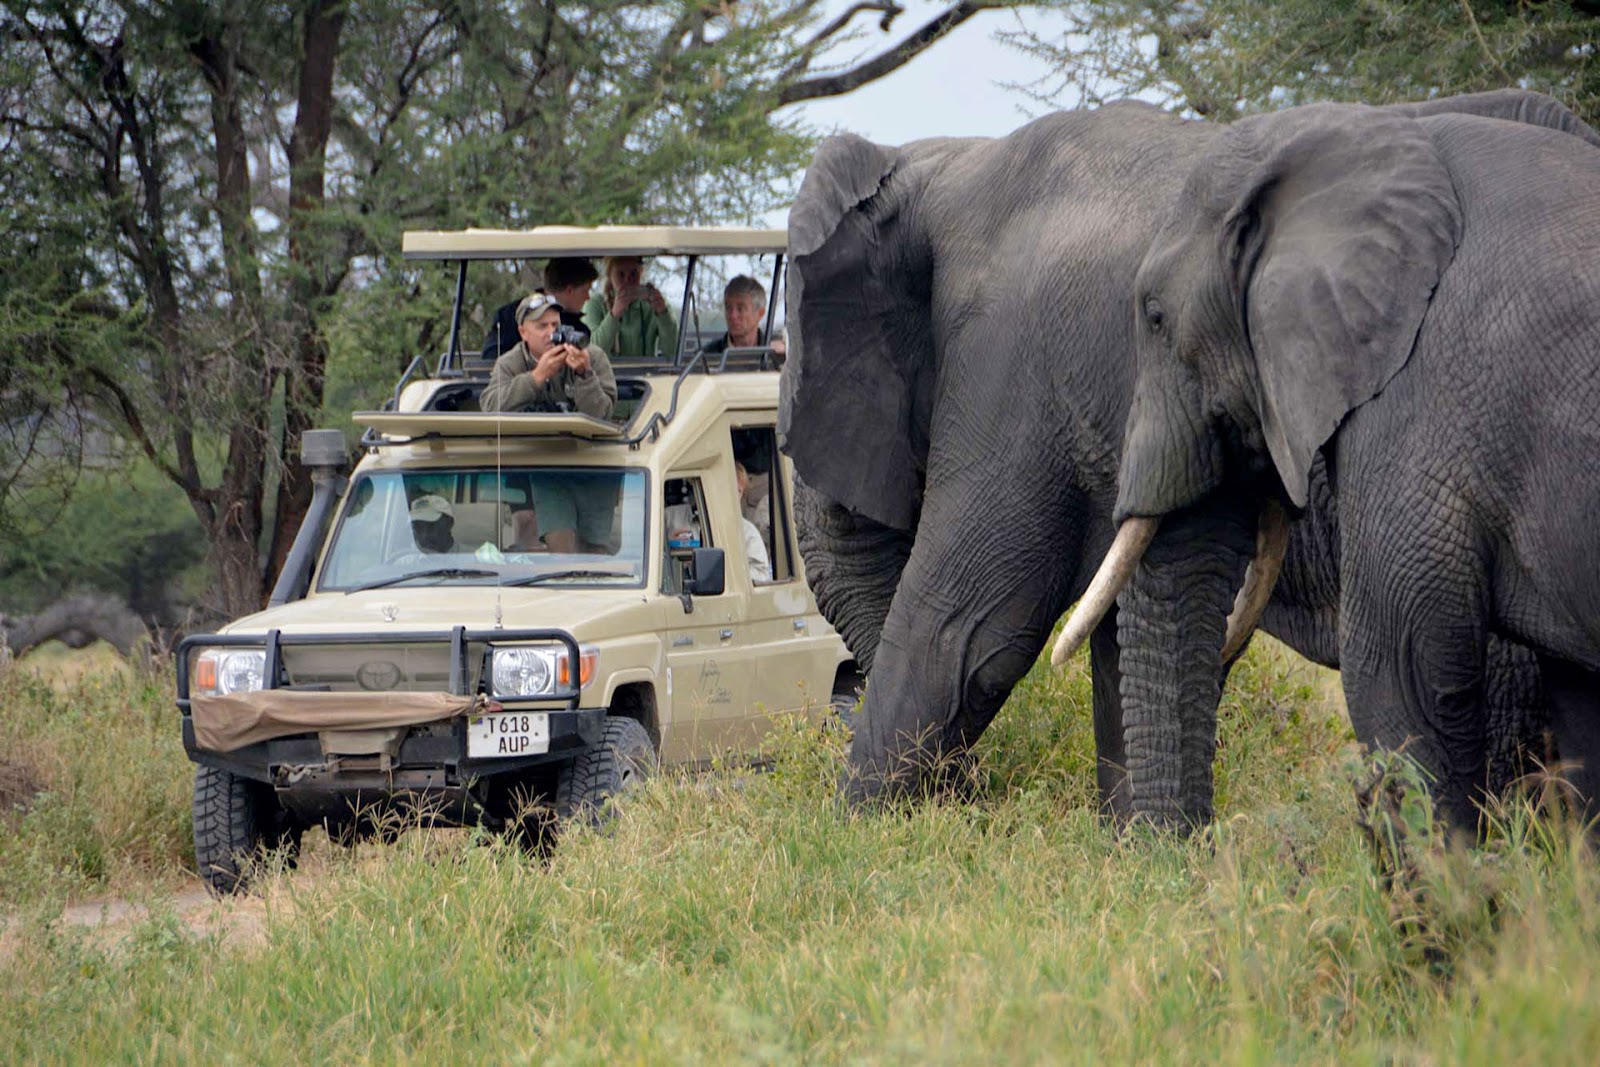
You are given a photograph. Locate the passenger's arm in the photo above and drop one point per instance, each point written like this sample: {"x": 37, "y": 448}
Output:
{"x": 603, "y": 326}
{"x": 510, "y": 387}
{"x": 596, "y": 392}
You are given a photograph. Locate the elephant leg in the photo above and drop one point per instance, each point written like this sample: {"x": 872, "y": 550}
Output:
{"x": 1519, "y": 731}
{"x": 1111, "y": 760}
{"x": 968, "y": 620}
{"x": 1412, "y": 655}
{"x": 1574, "y": 695}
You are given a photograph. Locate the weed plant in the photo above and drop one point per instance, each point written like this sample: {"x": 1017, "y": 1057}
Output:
{"x": 732, "y": 917}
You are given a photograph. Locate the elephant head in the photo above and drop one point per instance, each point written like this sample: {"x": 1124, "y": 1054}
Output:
{"x": 1287, "y": 288}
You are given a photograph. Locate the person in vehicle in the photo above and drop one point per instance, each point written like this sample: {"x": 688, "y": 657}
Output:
{"x": 568, "y": 279}
{"x": 630, "y": 318}
{"x": 541, "y": 375}
{"x": 744, "y": 305}
{"x": 576, "y": 511}
{"x": 755, "y": 549}
{"x": 433, "y": 523}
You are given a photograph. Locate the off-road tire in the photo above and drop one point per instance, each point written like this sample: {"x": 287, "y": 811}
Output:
{"x": 848, "y": 687}
{"x": 237, "y": 821}
{"x": 623, "y": 758}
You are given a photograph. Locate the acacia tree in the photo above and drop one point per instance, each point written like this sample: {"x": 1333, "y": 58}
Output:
{"x": 206, "y": 198}
{"x": 1231, "y": 57}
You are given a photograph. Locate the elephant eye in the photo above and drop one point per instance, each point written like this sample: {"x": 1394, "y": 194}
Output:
{"x": 1153, "y": 316}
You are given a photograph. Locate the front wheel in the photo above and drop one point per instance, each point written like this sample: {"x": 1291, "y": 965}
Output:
{"x": 236, "y": 822}
{"x": 623, "y": 758}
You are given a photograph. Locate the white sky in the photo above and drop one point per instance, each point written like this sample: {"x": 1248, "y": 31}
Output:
{"x": 964, "y": 85}
{"x": 955, "y": 88}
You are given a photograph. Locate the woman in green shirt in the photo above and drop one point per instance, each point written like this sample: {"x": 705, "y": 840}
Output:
{"x": 628, "y": 319}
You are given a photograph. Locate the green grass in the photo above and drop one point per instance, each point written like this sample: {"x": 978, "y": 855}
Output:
{"x": 752, "y": 921}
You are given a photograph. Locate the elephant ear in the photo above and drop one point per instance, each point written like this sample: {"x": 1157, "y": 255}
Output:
{"x": 854, "y": 404}
{"x": 1343, "y": 229}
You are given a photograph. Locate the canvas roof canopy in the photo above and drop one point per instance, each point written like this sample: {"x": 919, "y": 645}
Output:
{"x": 543, "y": 241}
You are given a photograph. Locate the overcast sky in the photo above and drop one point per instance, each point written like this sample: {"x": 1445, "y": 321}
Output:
{"x": 955, "y": 88}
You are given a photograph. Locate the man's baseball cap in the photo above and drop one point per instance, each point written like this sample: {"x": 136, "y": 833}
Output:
{"x": 430, "y": 507}
{"x": 535, "y": 304}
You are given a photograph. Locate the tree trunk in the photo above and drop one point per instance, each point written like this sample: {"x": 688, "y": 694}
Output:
{"x": 313, "y": 278}
{"x": 95, "y": 616}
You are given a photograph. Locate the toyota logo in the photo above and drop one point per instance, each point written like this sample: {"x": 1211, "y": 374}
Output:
{"x": 379, "y": 674}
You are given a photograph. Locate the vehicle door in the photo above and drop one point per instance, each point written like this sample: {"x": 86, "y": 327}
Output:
{"x": 793, "y": 651}
{"x": 707, "y": 676}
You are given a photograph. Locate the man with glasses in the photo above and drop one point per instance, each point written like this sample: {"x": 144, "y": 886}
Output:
{"x": 539, "y": 374}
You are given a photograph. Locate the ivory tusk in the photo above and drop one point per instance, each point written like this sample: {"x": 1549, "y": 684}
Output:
{"x": 1133, "y": 537}
{"x": 1272, "y": 541}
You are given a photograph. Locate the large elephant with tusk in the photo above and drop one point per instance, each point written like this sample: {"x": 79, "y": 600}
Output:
{"x": 959, "y": 380}
{"x": 1408, "y": 300}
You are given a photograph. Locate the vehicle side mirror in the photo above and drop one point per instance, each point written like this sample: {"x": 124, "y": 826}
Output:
{"x": 707, "y": 578}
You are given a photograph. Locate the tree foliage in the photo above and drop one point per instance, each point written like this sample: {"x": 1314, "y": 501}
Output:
{"x": 1232, "y": 57}
{"x": 205, "y": 200}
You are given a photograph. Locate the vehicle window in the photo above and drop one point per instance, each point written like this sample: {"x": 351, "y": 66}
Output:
{"x": 755, "y": 448}
{"x": 514, "y": 526}
{"x": 686, "y": 527}
{"x": 708, "y": 326}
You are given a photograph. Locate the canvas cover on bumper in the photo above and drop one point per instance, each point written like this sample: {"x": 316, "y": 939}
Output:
{"x": 226, "y": 723}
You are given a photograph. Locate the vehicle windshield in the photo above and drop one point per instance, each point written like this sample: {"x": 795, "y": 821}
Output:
{"x": 522, "y": 526}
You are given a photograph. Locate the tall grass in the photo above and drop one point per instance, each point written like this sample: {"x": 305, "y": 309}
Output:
{"x": 100, "y": 787}
{"x": 748, "y": 919}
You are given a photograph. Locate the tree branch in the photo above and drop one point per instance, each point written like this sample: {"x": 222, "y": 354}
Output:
{"x": 808, "y": 51}
{"x": 886, "y": 63}
{"x": 135, "y": 423}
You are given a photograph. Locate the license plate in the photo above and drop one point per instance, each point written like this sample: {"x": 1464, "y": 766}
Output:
{"x": 508, "y": 733}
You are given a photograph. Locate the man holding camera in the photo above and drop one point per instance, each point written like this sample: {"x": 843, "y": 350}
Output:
{"x": 553, "y": 368}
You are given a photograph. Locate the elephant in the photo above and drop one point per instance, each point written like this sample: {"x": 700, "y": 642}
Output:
{"x": 1409, "y": 300}
{"x": 959, "y": 379}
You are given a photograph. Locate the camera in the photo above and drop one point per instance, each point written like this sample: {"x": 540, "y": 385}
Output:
{"x": 569, "y": 335}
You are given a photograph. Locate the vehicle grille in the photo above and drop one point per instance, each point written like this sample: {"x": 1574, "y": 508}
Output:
{"x": 420, "y": 667}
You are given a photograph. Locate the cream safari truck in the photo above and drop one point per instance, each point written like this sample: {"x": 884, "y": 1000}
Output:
{"x": 478, "y": 675}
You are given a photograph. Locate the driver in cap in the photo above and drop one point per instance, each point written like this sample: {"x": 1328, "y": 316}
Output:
{"x": 433, "y": 523}
{"x": 547, "y": 370}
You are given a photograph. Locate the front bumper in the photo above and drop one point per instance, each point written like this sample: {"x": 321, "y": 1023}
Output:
{"x": 429, "y": 759}
{"x": 433, "y": 755}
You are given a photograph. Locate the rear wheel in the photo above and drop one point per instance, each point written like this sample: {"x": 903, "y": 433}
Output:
{"x": 237, "y": 821}
{"x": 623, "y": 758}
{"x": 846, "y": 698}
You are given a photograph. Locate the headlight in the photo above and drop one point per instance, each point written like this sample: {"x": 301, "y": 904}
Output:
{"x": 221, "y": 671}
{"x": 538, "y": 670}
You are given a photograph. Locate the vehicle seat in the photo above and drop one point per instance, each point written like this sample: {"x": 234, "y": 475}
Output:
{"x": 484, "y": 520}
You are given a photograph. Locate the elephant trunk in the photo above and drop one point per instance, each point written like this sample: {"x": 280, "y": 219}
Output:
{"x": 1171, "y": 620}
{"x": 1272, "y": 541}
{"x": 1133, "y": 537}
{"x": 853, "y": 566}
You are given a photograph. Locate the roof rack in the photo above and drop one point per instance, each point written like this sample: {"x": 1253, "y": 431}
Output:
{"x": 544, "y": 241}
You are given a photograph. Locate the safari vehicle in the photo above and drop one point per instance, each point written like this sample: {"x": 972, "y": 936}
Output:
{"x": 483, "y": 676}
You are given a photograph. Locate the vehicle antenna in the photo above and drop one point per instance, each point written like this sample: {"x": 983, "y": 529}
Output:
{"x": 499, "y": 502}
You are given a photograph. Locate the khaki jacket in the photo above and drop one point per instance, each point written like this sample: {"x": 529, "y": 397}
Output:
{"x": 511, "y": 386}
